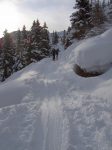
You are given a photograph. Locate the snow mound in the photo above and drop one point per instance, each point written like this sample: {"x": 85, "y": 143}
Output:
{"x": 95, "y": 54}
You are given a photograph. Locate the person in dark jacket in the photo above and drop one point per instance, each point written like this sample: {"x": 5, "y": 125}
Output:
{"x": 57, "y": 53}
{"x": 54, "y": 54}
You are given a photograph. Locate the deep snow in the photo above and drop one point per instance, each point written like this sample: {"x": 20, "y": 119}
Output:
{"x": 46, "y": 106}
{"x": 95, "y": 54}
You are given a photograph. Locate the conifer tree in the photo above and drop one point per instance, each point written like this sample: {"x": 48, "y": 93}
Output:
{"x": 33, "y": 28}
{"x": 30, "y": 46}
{"x": 55, "y": 38}
{"x": 81, "y": 19}
{"x": 8, "y": 56}
{"x": 1, "y": 59}
{"x": 18, "y": 51}
{"x": 64, "y": 37}
{"x": 52, "y": 40}
{"x": 18, "y": 41}
{"x": 38, "y": 29}
{"x": 24, "y": 33}
{"x": 98, "y": 16}
{"x": 44, "y": 41}
{"x": 29, "y": 53}
{"x": 110, "y": 10}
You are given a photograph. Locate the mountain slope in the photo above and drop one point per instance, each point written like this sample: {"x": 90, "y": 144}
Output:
{"x": 46, "y": 106}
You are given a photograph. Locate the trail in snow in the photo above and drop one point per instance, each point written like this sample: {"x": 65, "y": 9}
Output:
{"x": 51, "y": 108}
{"x": 77, "y": 123}
{"x": 55, "y": 125}
{"x": 39, "y": 125}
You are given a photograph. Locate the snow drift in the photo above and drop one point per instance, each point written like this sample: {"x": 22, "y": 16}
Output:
{"x": 95, "y": 54}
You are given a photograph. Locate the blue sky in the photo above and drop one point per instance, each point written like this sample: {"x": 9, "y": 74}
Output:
{"x": 15, "y": 13}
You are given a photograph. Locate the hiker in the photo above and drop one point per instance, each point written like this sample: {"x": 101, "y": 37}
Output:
{"x": 57, "y": 52}
{"x": 54, "y": 53}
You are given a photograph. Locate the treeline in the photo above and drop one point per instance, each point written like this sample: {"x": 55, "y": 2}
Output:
{"x": 87, "y": 15}
{"x": 90, "y": 18}
{"x": 20, "y": 48}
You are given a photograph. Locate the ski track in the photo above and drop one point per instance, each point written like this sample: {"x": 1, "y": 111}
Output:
{"x": 55, "y": 125}
{"x": 81, "y": 122}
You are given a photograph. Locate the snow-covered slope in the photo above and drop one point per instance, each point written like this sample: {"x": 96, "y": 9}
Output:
{"x": 95, "y": 54}
{"x": 46, "y": 106}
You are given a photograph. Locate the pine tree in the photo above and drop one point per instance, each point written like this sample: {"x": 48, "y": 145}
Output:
{"x": 110, "y": 10}
{"x": 24, "y": 33}
{"x": 18, "y": 41}
{"x": 30, "y": 46}
{"x": 98, "y": 16}
{"x": 18, "y": 51}
{"x": 81, "y": 19}
{"x": 52, "y": 38}
{"x": 19, "y": 54}
{"x": 8, "y": 56}
{"x": 44, "y": 47}
{"x": 28, "y": 54}
{"x": 64, "y": 37}
{"x": 55, "y": 38}
{"x": 38, "y": 29}
{"x": 1, "y": 58}
{"x": 36, "y": 37}
{"x": 33, "y": 28}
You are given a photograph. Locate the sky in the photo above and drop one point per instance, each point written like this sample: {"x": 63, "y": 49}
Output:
{"x": 16, "y": 13}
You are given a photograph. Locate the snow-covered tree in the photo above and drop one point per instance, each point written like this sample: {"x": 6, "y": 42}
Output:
{"x": 30, "y": 46}
{"x": 28, "y": 54}
{"x": 109, "y": 14}
{"x": 20, "y": 50}
{"x": 81, "y": 19}
{"x": 44, "y": 46}
{"x": 64, "y": 37}
{"x": 98, "y": 15}
{"x": 55, "y": 38}
{"x": 33, "y": 30}
{"x": 24, "y": 33}
{"x": 40, "y": 41}
{"x": 18, "y": 43}
{"x": 35, "y": 39}
{"x": 7, "y": 56}
{"x": 37, "y": 33}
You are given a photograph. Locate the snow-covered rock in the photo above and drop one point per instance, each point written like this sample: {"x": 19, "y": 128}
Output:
{"x": 95, "y": 54}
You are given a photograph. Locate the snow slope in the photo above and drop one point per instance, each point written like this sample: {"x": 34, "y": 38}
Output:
{"x": 46, "y": 106}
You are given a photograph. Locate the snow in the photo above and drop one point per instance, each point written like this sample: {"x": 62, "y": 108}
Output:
{"x": 46, "y": 106}
{"x": 95, "y": 54}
